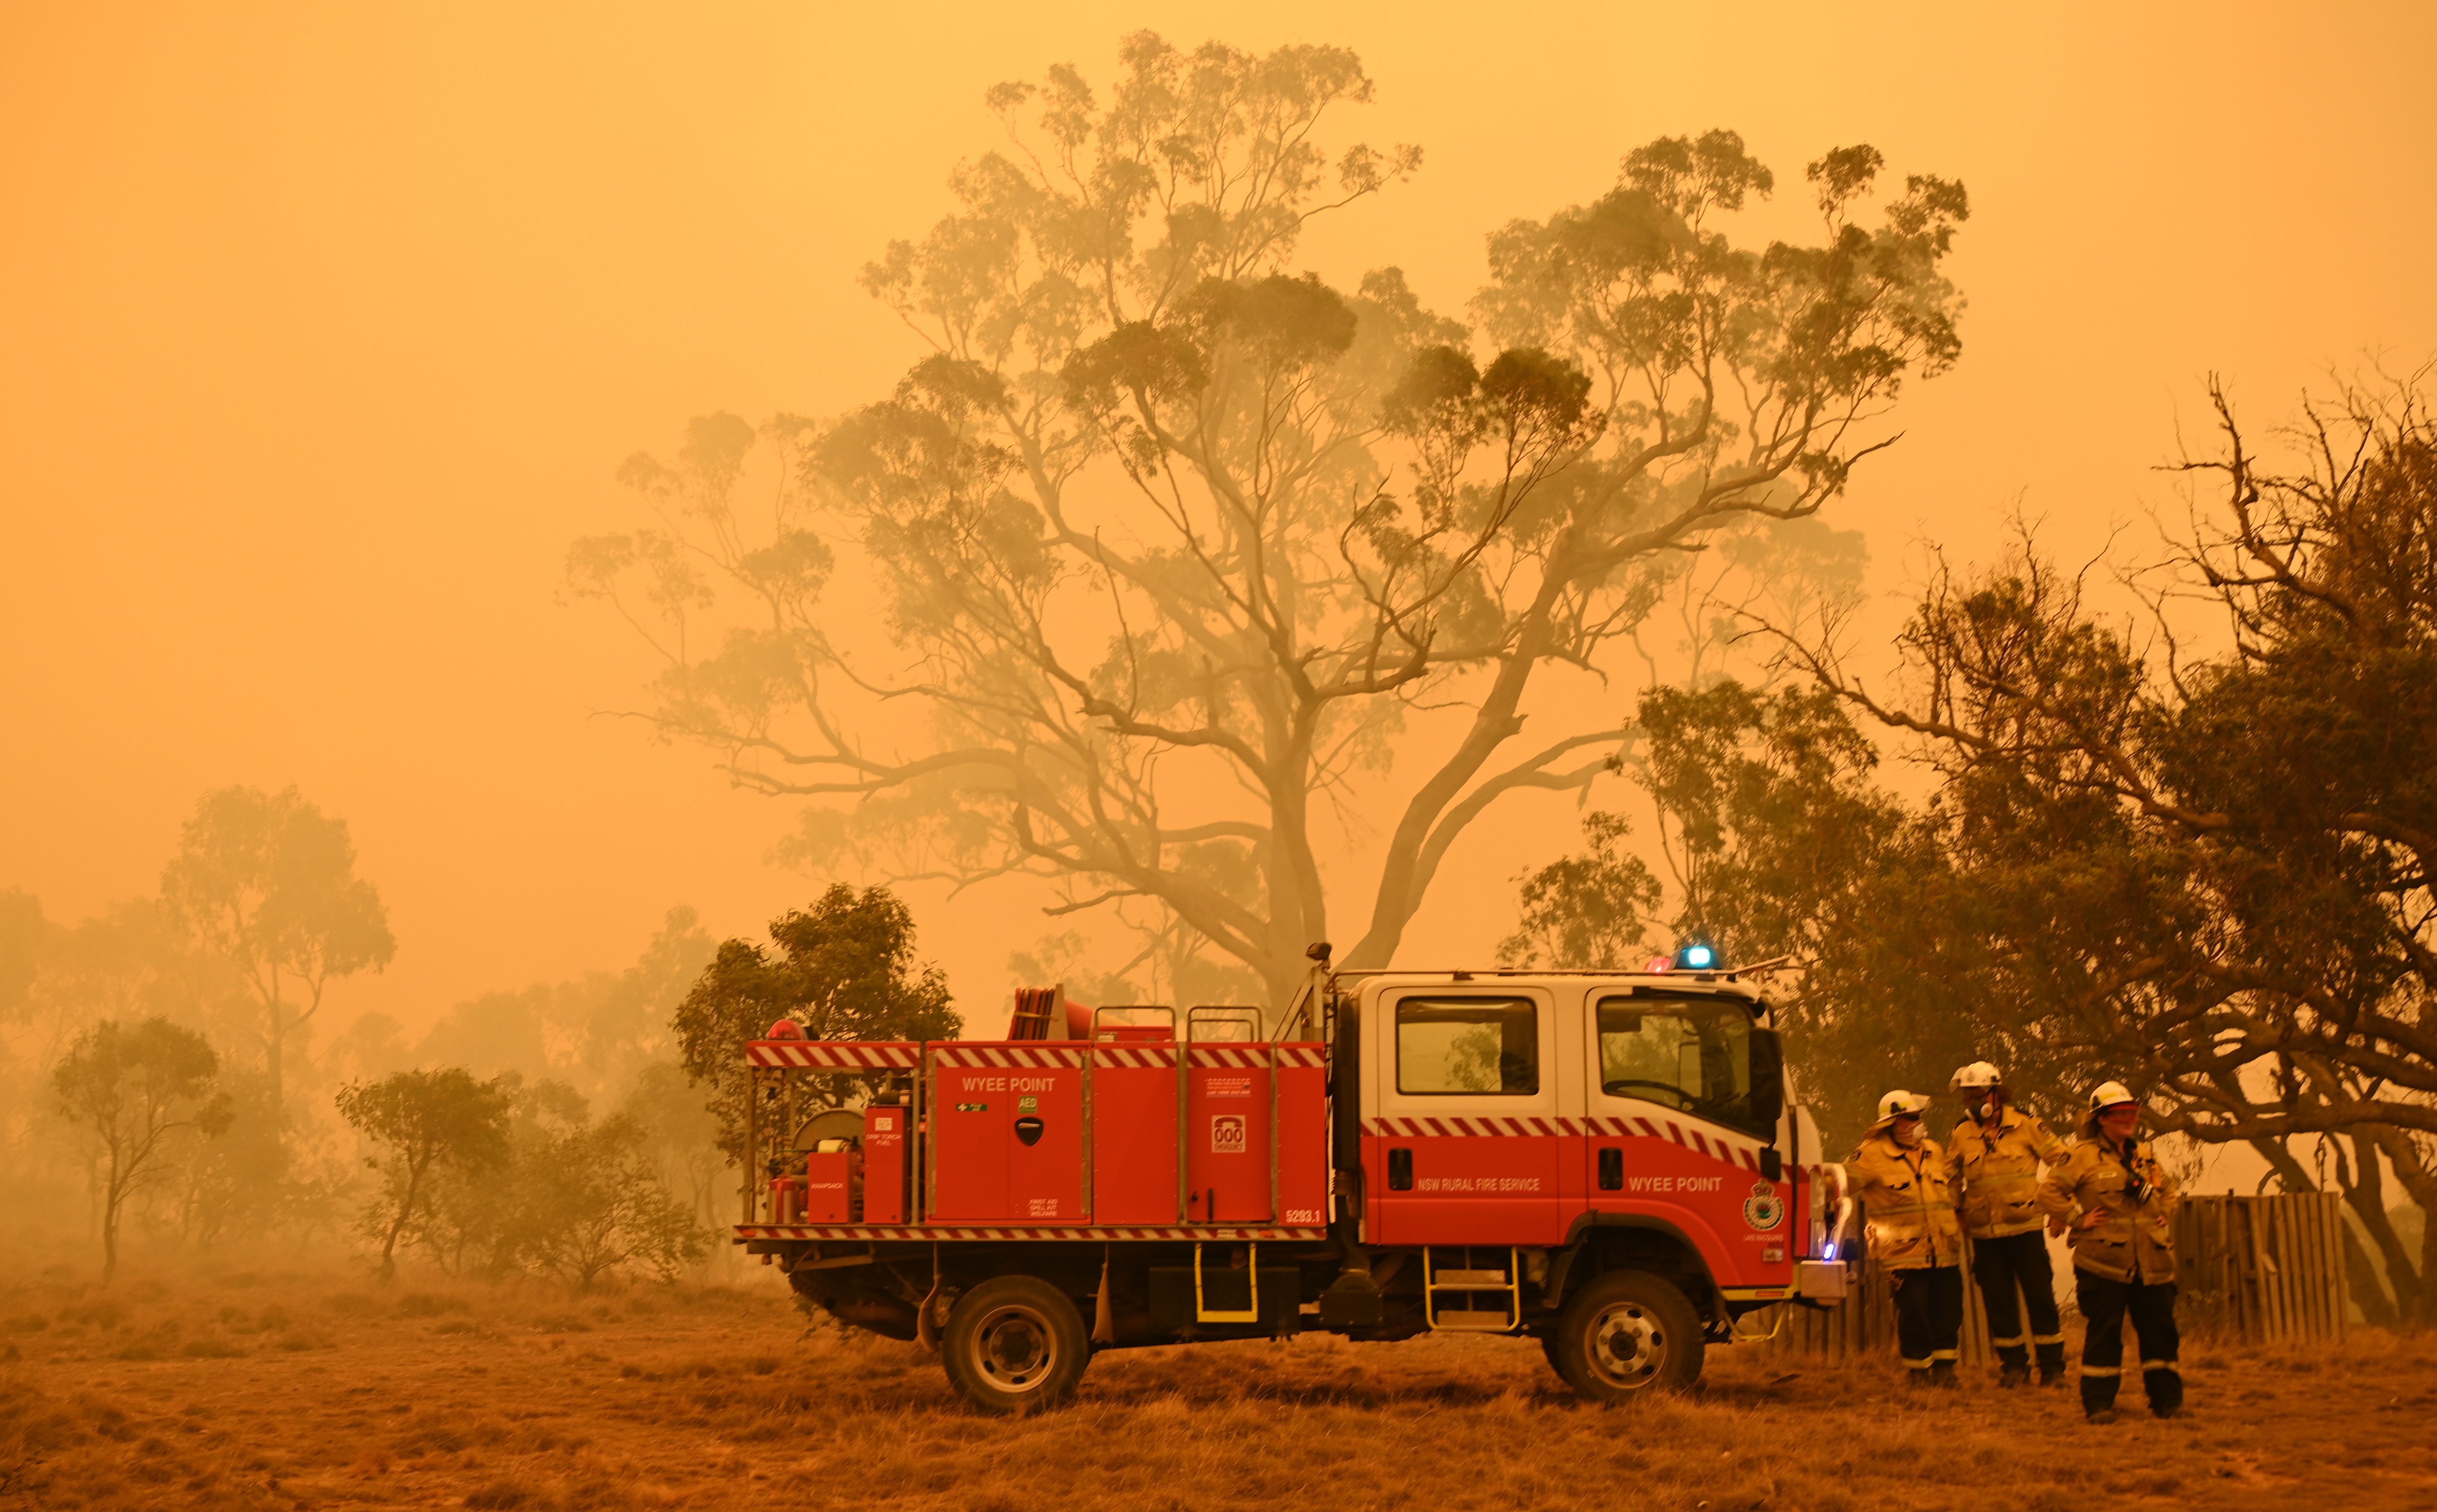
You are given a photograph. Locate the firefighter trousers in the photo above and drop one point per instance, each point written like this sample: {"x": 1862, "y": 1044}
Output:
{"x": 1929, "y": 1315}
{"x": 2003, "y": 1265}
{"x": 2105, "y": 1305}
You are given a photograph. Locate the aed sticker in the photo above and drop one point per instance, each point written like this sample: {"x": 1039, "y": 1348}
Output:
{"x": 1227, "y": 1133}
{"x": 1763, "y": 1208}
{"x": 973, "y": 1107}
{"x": 1027, "y": 1104}
{"x": 1228, "y": 1087}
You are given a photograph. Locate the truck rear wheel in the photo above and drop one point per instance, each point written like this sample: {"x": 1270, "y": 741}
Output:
{"x": 1015, "y": 1343}
{"x": 1625, "y": 1335}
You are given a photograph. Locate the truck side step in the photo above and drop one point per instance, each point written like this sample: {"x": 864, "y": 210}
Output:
{"x": 1482, "y": 1299}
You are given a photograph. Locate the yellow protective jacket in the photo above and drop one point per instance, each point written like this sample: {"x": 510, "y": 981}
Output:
{"x": 1910, "y": 1204}
{"x": 1998, "y": 1172}
{"x": 2137, "y": 1240}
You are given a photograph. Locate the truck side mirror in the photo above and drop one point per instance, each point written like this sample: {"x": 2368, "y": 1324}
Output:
{"x": 1768, "y": 1078}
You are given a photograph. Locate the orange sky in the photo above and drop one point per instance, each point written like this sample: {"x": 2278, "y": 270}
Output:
{"x": 321, "y": 329}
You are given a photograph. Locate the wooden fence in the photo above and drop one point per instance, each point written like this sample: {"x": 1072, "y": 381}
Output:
{"x": 2266, "y": 1269}
{"x": 2261, "y": 1269}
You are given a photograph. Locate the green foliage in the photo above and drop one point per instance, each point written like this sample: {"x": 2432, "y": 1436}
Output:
{"x": 134, "y": 1089}
{"x": 561, "y": 1195}
{"x": 842, "y": 969}
{"x": 1590, "y": 912}
{"x": 1161, "y": 507}
{"x": 594, "y": 1203}
{"x": 2206, "y": 876}
{"x": 430, "y": 1126}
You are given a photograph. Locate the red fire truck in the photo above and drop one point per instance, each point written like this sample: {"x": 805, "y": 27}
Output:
{"x": 1605, "y": 1162}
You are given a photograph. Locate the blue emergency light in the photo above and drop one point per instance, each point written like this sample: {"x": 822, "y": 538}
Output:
{"x": 1696, "y": 956}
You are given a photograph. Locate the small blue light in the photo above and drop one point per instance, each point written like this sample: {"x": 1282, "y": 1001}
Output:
{"x": 1697, "y": 957}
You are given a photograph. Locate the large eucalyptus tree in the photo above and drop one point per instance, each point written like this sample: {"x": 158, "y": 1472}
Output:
{"x": 1184, "y": 553}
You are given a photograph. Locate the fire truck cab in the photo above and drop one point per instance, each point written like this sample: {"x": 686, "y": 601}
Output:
{"x": 1606, "y": 1162}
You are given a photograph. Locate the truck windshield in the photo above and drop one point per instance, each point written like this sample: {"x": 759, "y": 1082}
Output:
{"x": 1689, "y": 1053}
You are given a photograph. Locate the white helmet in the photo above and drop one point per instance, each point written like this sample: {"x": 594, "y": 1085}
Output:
{"x": 2111, "y": 1095}
{"x": 1977, "y": 1077}
{"x": 1896, "y": 1104}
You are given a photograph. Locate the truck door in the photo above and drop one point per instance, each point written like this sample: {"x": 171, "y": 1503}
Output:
{"x": 1464, "y": 1149}
{"x": 1669, "y": 1107}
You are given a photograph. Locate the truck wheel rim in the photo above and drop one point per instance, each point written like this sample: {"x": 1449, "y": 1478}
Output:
{"x": 1014, "y": 1348}
{"x": 1626, "y": 1346}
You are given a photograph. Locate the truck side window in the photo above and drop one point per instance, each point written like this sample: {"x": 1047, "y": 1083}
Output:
{"x": 1685, "y": 1053}
{"x": 1483, "y": 1046}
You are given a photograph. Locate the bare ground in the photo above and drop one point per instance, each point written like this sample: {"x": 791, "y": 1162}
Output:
{"x": 262, "y": 1390}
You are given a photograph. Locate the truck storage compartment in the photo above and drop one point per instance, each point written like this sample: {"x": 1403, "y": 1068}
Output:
{"x": 1227, "y": 1128}
{"x": 1007, "y": 1133}
{"x": 828, "y": 1187}
{"x": 1302, "y": 1133}
{"x": 1133, "y": 1134}
{"x": 884, "y": 1168}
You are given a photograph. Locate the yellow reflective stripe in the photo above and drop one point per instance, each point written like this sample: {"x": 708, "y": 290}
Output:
{"x": 1910, "y": 1364}
{"x": 2047, "y": 1338}
{"x": 1944, "y": 1354}
{"x": 2014, "y": 1343}
{"x": 2007, "y": 1179}
{"x": 2102, "y": 1370}
{"x": 2157, "y": 1365}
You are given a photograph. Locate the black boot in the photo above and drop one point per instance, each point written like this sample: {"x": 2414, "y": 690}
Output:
{"x": 2051, "y": 1364}
{"x": 1941, "y": 1373}
{"x": 1917, "y": 1377}
{"x": 2166, "y": 1386}
{"x": 2099, "y": 1398}
{"x": 2014, "y": 1373}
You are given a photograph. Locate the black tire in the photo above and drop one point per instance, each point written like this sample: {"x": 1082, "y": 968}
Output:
{"x": 1548, "y": 1348}
{"x": 1625, "y": 1335}
{"x": 1015, "y": 1344}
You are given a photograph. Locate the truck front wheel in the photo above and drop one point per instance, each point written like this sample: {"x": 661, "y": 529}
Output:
{"x": 1626, "y": 1334}
{"x": 1015, "y": 1343}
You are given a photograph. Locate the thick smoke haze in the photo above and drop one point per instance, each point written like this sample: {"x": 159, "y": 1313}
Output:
{"x": 327, "y": 328}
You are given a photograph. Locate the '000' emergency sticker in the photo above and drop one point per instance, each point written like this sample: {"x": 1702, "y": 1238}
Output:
{"x": 1226, "y": 1133}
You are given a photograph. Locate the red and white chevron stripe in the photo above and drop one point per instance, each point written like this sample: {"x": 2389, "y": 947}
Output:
{"x": 1141, "y": 1057}
{"x": 850, "y": 1054}
{"x": 1479, "y": 1128}
{"x": 748, "y": 1231}
{"x": 1244, "y": 1057}
{"x": 1040, "y": 1056}
{"x": 829, "y": 1054}
{"x": 1716, "y": 1146}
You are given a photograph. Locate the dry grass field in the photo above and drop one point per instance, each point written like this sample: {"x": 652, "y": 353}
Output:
{"x": 267, "y": 1390}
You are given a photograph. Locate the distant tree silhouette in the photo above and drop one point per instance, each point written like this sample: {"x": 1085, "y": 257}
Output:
{"x": 267, "y": 882}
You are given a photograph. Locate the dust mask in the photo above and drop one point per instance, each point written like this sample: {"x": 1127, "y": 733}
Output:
{"x": 1908, "y": 1134}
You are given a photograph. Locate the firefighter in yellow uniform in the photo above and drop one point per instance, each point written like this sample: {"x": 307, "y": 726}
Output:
{"x": 2120, "y": 1206}
{"x": 1900, "y": 1176}
{"x": 1996, "y": 1153}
